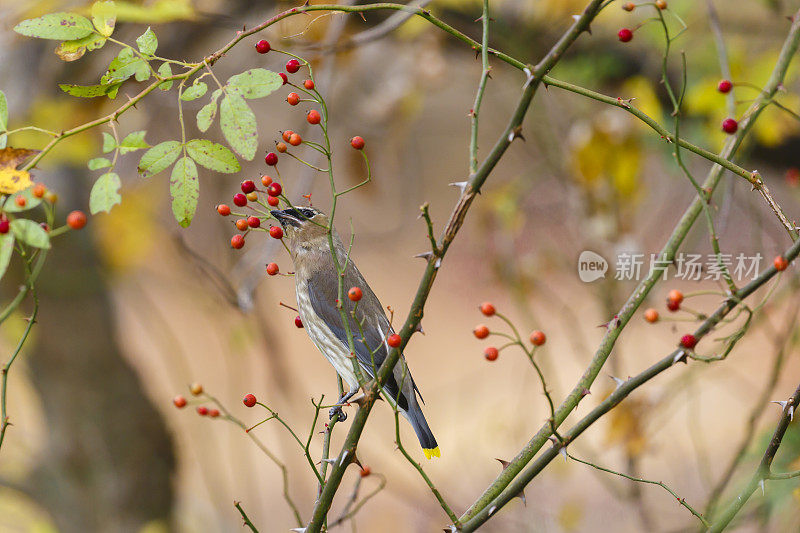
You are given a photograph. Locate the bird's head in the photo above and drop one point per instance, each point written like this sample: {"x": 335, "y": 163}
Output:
{"x": 303, "y": 228}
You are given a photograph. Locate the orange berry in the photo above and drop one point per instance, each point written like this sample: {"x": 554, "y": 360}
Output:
{"x": 266, "y": 181}
{"x": 295, "y": 139}
{"x": 213, "y": 413}
{"x": 481, "y": 331}
{"x": 629, "y": 6}
{"x": 780, "y": 263}
{"x": 237, "y": 241}
{"x": 354, "y": 294}
{"x": 491, "y": 353}
{"x": 313, "y": 117}
{"x": 675, "y": 296}
{"x": 179, "y": 401}
{"x": 309, "y": 84}
{"x": 252, "y": 196}
{"x": 394, "y": 340}
{"x": 538, "y": 338}
{"x": 38, "y": 190}
{"x": 223, "y": 210}
{"x": 488, "y": 309}
{"x": 76, "y": 219}
{"x": 293, "y": 98}
{"x": 281, "y": 147}
{"x": 661, "y": 4}
{"x": 196, "y": 389}
{"x": 272, "y": 269}
{"x": 365, "y": 470}
{"x": 241, "y": 224}
{"x": 286, "y": 134}
{"x": 21, "y": 201}
{"x": 651, "y": 315}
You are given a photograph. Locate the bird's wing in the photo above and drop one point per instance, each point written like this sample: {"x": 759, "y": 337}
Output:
{"x": 369, "y": 336}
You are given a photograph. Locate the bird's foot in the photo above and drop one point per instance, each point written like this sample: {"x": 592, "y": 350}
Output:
{"x": 337, "y": 411}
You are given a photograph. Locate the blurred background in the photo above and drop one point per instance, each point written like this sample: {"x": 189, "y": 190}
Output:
{"x": 134, "y": 309}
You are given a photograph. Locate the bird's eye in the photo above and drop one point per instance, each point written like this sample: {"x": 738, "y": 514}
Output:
{"x": 308, "y": 213}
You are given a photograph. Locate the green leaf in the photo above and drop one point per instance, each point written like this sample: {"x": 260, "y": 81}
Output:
{"x": 57, "y": 26}
{"x": 6, "y": 251}
{"x": 194, "y": 92}
{"x": 159, "y": 157}
{"x": 74, "y": 50}
{"x": 125, "y": 65}
{"x": 105, "y": 193}
{"x": 205, "y": 117}
{"x": 165, "y": 71}
{"x": 239, "y": 126}
{"x": 90, "y": 91}
{"x": 3, "y": 112}
{"x": 104, "y": 17}
{"x": 30, "y": 232}
{"x": 147, "y": 42}
{"x": 213, "y": 156}
{"x": 98, "y": 162}
{"x": 143, "y": 71}
{"x": 31, "y": 201}
{"x": 185, "y": 189}
{"x": 132, "y": 142}
{"x": 254, "y": 83}
{"x": 109, "y": 143}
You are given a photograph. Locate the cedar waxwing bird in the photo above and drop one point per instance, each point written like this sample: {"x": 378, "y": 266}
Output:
{"x": 316, "y": 282}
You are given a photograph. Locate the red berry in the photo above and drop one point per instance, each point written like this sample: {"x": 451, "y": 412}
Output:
{"x": 271, "y": 159}
{"x": 724, "y": 86}
{"x": 273, "y": 201}
{"x": 625, "y": 35}
{"x": 491, "y": 353}
{"x": 253, "y": 222}
{"x": 780, "y": 263}
{"x": 293, "y": 98}
{"x": 272, "y": 269}
{"x": 280, "y": 147}
{"x": 241, "y": 224}
{"x": 275, "y": 189}
{"x": 309, "y": 84}
{"x": 295, "y": 139}
{"x": 240, "y": 199}
{"x": 284, "y": 77}
{"x": 262, "y": 46}
{"x": 179, "y": 401}
{"x": 675, "y": 296}
{"x": 237, "y": 241}
{"x": 276, "y": 232}
{"x": 673, "y": 306}
{"x": 538, "y": 338}
{"x": 365, "y": 471}
{"x": 196, "y": 389}
{"x": 248, "y": 186}
{"x": 688, "y": 341}
{"x": 357, "y": 142}
{"x": 38, "y": 190}
{"x": 354, "y": 294}
{"x": 202, "y": 410}
{"x": 249, "y": 400}
{"x": 21, "y": 201}
{"x": 651, "y": 315}
{"x": 313, "y": 117}
{"x": 488, "y": 309}
{"x": 5, "y": 225}
{"x": 266, "y": 181}
{"x": 76, "y": 219}
{"x": 394, "y": 340}
{"x": 292, "y": 66}
{"x": 298, "y": 322}
{"x": 481, "y": 331}
{"x": 793, "y": 176}
{"x": 223, "y": 210}
{"x": 213, "y": 413}
{"x": 729, "y": 125}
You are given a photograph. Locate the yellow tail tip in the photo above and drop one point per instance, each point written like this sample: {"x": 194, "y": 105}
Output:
{"x": 431, "y": 452}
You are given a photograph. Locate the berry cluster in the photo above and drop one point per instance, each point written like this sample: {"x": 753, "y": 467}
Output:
{"x": 258, "y": 201}
{"x": 481, "y": 331}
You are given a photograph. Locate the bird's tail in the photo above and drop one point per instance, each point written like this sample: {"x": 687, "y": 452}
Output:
{"x": 424, "y": 433}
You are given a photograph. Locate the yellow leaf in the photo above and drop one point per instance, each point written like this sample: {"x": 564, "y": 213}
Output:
{"x": 570, "y": 516}
{"x": 11, "y": 179}
{"x": 626, "y": 428}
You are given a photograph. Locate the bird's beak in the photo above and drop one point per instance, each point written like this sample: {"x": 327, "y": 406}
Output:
{"x": 286, "y": 217}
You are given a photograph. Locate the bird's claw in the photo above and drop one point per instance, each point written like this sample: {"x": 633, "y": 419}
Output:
{"x": 338, "y": 411}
